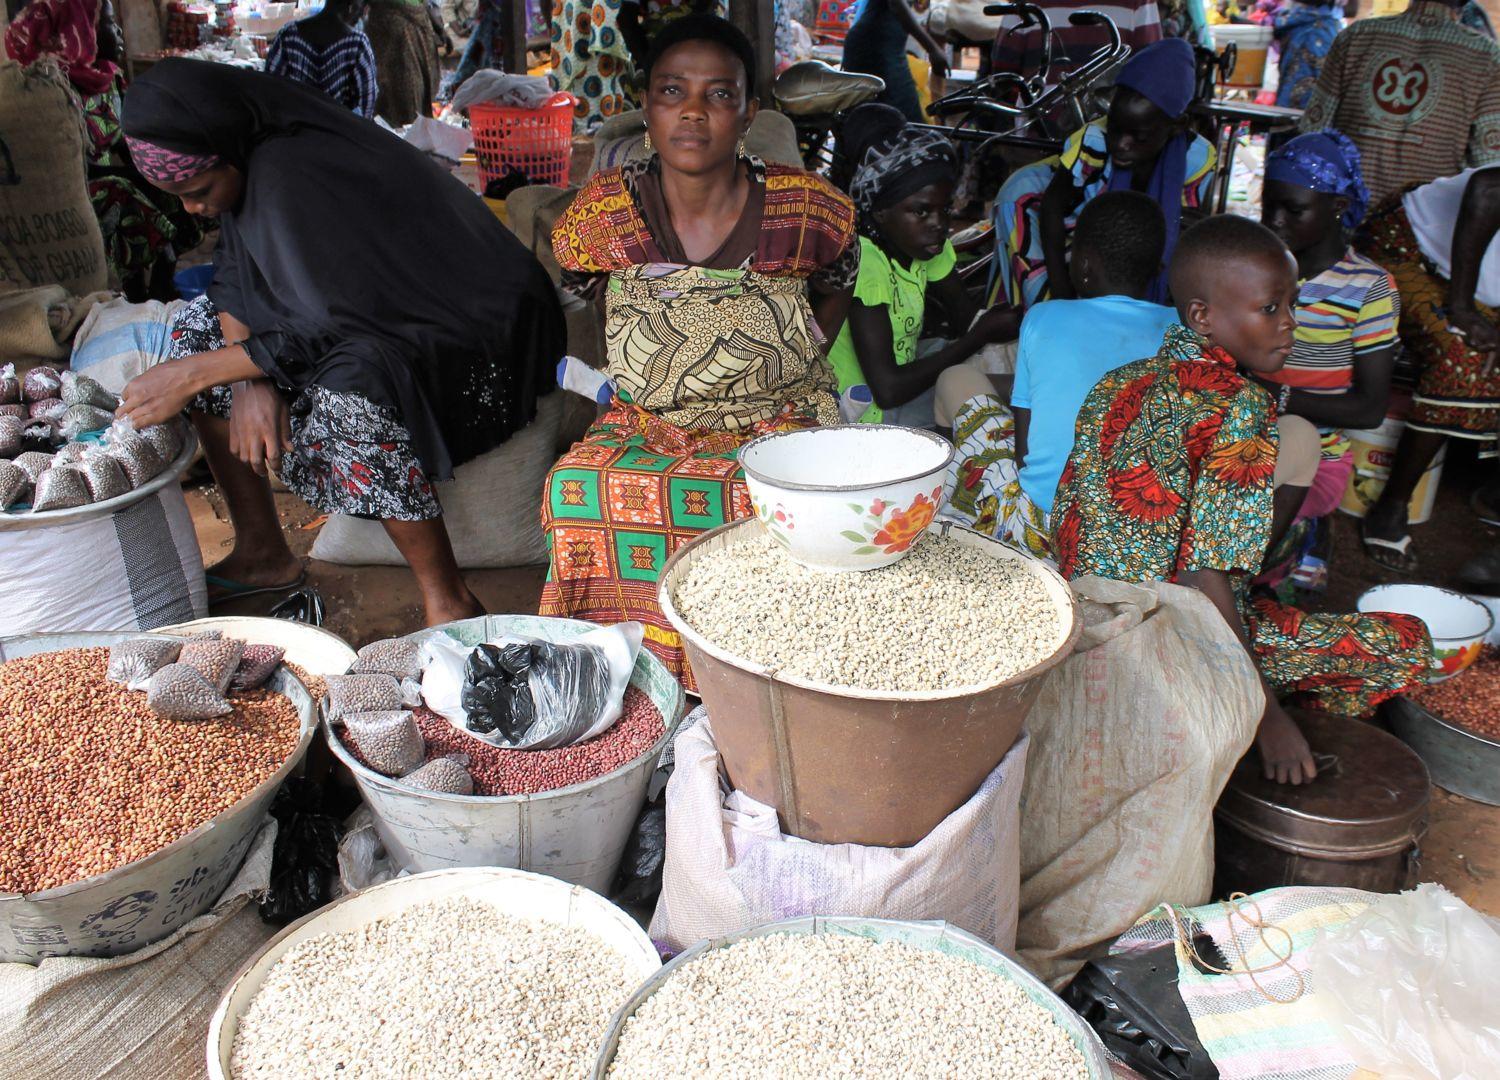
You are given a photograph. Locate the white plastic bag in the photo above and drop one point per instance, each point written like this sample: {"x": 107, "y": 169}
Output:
{"x": 729, "y": 866}
{"x": 1412, "y": 987}
{"x": 560, "y": 723}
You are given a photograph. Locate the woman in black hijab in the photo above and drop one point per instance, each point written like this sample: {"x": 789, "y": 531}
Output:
{"x": 370, "y": 324}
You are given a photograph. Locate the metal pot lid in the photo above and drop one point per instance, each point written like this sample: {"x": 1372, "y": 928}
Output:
{"x": 1369, "y": 799}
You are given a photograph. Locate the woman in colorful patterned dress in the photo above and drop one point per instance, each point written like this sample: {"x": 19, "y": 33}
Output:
{"x": 1172, "y": 478}
{"x": 1441, "y": 243}
{"x": 338, "y": 344}
{"x": 1143, "y": 145}
{"x": 721, "y": 278}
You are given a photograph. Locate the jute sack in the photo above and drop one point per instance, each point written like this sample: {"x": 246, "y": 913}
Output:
{"x": 48, "y": 232}
{"x": 1133, "y": 738}
{"x": 729, "y": 867}
{"x": 142, "y": 1016}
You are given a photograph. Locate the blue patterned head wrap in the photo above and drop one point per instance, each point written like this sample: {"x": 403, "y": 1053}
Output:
{"x": 1323, "y": 161}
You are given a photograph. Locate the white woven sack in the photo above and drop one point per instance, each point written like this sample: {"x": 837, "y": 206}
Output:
{"x": 119, "y": 340}
{"x": 1133, "y": 739}
{"x": 141, "y": 1016}
{"x": 729, "y": 867}
{"x": 492, "y": 506}
{"x": 135, "y": 569}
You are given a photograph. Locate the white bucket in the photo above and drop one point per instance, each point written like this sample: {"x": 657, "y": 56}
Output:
{"x": 577, "y": 833}
{"x": 1254, "y": 46}
{"x": 1374, "y": 451}
{"x": 127, "y": 908}
{"x": 514, "y": 892}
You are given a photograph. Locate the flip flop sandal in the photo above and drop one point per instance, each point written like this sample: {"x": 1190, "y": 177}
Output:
{"x": 1483, "y": 510}
{"x": 235, "y": 590}
{"x": 1391, "y": 554}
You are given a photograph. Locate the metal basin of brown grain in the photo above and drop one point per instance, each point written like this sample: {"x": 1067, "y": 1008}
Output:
{"x": 847, "y": 766}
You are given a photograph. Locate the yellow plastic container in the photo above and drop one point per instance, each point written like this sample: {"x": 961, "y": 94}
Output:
{"x": 1254, "y": 44}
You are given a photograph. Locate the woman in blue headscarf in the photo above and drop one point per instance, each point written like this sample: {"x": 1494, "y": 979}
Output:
{"x": 1142, "y": 145}
{"x": 1339, "y": 374}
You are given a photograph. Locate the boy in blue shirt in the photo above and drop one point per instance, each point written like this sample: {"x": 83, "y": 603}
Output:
{"x": 1009, "y": 459}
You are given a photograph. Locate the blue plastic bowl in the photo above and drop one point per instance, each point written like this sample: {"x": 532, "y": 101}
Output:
{"x": 194, "y": 281}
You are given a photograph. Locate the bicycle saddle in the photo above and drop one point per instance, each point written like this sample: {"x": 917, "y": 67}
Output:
{"x": 812, "y": 88}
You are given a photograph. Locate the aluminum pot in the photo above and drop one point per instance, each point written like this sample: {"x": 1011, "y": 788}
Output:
{"x": 1357, "y": 825}
{"x": 577, "y": 833}
{"x": 133, "y": 905}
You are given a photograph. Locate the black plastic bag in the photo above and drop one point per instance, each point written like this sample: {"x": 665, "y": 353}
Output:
{"x": 1132, "y": 1002}
{"x": 305, "y": 860}
{"x": 638, "y": 881}
{"x": 536, "y": 695}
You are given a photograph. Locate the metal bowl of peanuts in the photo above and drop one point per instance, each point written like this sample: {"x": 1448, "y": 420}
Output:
{"x": 470, "y": 972}
{"x": 824, "y": 998}
{"x": 1454, "y": 726}
{"x": 178, "y": 832}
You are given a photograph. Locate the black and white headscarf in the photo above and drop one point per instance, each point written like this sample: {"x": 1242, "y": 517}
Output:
{"x": 899, "y": 164}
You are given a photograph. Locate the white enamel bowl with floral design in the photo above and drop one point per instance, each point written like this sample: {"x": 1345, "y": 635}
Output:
{"x": 854, "y": 497}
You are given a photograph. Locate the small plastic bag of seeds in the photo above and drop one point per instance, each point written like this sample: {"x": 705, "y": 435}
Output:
{"x": 102, "y": 473}
{"x": 81, "y": 418}
{"x": 35, "y": 463}
{"x": 216, "y": 660}
{"x": 400, "y": 658}
{"x": 445, "y": 775}
{"x": 81, "y": 390}
{"x": 15, "y": 485}
{"x": 133, "y": 662}
{"x": 257, "y": 664}
{"x": 15, "y": 409}
{"x": 10, "y": 386}
{"x": 361, "y": 693}
{"x": 390, "y": 742}
{"x": 11, "y": 428}
{"x": 60, "y": 488}
{"x": 70, "y": 453}
{"x": 50, "y": 409}
{"x": 197, "y": 635}
{"x": 40, "y": 384}
{"x": 180, "y": 692}
{"x": 137, "y": 457}
{"x": 165, "y": 439}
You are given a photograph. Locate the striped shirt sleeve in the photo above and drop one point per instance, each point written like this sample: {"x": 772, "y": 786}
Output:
{"x": 1375, "y": 326}
{"x": 364, "y": 78}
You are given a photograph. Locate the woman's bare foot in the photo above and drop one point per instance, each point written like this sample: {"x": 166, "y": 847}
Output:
{"x": 258, "y": 569}
{"x": 440, "y": 610}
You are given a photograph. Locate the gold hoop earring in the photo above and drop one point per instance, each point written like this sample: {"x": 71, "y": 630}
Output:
{"x": 647, "y": 143}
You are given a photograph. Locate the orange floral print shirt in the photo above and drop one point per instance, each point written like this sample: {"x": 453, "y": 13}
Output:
{"x": 1171, "y": 469}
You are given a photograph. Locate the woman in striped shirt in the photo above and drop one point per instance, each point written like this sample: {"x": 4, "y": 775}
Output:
{"x": 329, "y": 52}
{"x": 1339, "y": 374}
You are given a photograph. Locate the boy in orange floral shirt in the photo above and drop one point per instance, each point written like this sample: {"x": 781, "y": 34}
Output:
{"x": 1173, "y": 474}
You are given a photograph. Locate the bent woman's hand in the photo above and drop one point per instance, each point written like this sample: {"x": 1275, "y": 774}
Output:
{"x": 260, "y": 426}
{"x": 158, "y": 394}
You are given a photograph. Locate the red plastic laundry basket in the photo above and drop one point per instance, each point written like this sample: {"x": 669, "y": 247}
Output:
{"x": 538, "y": 142}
